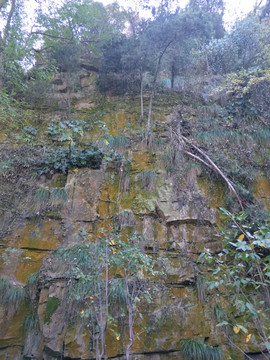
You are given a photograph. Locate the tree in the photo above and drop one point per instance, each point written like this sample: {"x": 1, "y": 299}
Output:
{"x": 13, "y": 45}
{"x": 211, "y": 6}
{"x": 214, "y": 8}
{"x": 246, "y": 46}
{"x": 138, "y": 269}
{"x": 108, "y": 274}
{"x": 76, "y": 31}
{"x": 159, "y": 36}
{"x": 87, "y": 25}
{"x": 195, "y": 28}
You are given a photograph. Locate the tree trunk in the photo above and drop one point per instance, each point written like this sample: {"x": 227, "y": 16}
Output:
{"x": 130, "y": 319}
{"x": 172, "y": 76}
{"x": 2, "y": 70}
{"x": 141, "y": 93}
{"x": 131, "y": 335}
{"x": 154, "y": 90}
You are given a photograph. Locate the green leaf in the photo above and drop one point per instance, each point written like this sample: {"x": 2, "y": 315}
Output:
{"x": 223, "y": 323}
{"x": 241, "y": 327}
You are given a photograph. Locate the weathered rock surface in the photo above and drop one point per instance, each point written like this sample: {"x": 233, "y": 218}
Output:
{"x": 177, "y": 217}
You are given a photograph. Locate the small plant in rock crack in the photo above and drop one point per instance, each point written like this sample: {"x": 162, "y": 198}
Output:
{"x": 14, "y": 296}
{"x": 44, "y": 195}
{"x": 68, "y": 155}
{"x": 147, "y": 179}
{"x": 67, "y": 131}
{"x": 31, "y": 322}
{"x": 197, "y": 350}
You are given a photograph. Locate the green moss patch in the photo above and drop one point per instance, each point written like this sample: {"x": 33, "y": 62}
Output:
{"x": 52, "y": 305}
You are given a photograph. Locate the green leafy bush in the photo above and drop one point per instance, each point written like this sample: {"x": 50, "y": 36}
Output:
{"x": 62, "y": 160}
{"x": 243, "y": 269}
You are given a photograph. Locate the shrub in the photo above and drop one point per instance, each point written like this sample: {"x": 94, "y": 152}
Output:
{"x": 62, "y": 159}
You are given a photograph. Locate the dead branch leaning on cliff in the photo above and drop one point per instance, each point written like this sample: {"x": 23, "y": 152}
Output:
{"x": 206, "y": 160}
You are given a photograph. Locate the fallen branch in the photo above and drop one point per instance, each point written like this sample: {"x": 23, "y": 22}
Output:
{"x": 207, "y": 161}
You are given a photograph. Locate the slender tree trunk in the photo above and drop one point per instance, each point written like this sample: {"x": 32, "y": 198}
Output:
{"x": 172, "y": 76}
{"x": 2, "y": 71}
{"x": 4, "y": 36}
{"x": 131, "y": 334}
{"x": 149, "y": 119}
{"x": 130, "y": 319}
{"x": 141, "y": 80}
{"x": 154, "y": 90}
{"x": 106, "y": 302}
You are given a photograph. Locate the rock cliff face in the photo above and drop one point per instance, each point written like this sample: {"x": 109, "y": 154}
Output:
{"x": 175, "y": 211}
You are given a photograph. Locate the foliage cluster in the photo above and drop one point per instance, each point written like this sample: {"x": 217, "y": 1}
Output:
{"x": 111, "y": 280}
{"x": 242, "y": 269}
{"x": 13, "y": 297}
{"x": 61, "y": 160}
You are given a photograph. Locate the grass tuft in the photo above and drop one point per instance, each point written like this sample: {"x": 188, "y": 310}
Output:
{"x": 147, "y": 179}
{"x": 118, "y": 142}
{"x": 14, "y": 296}
{"x": 196, "y": 350}
{"x": 31, "y": 322}
{"x": 32, "y": 280}
{"x": 3, "y": 285}
{"x": 42, "y": 195}
{"x": 59, "y": 194}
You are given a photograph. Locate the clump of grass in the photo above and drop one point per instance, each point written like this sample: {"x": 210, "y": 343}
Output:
{"x": 261, "y": 136}
{"x": 201, "y": 288}
{"x": 147, "y": 179}
{"x": 42, "y": 195}
{"x": 6, "y": 166}
{"x": 31, "y": 322}
{"x": 124, "y": 219}
{"x": 196, "y": 350}
{"x": 59, "y": 194}
{"x": 46, "y": 195}
{"x": 118, "y": 142}
{"x": 219, "y": 313}
{"x": 32, "y": 280}
{"x": 14, "y": 296}
{"x": 3, "y": 285}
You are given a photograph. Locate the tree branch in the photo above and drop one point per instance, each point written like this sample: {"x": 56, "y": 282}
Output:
{"x": 3, "y": 3}
{"x": 62, "y": 37}
{"x": 209, "y": 163}
{"x": 51, "y": 36}
{"x": 10, "y": 15}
